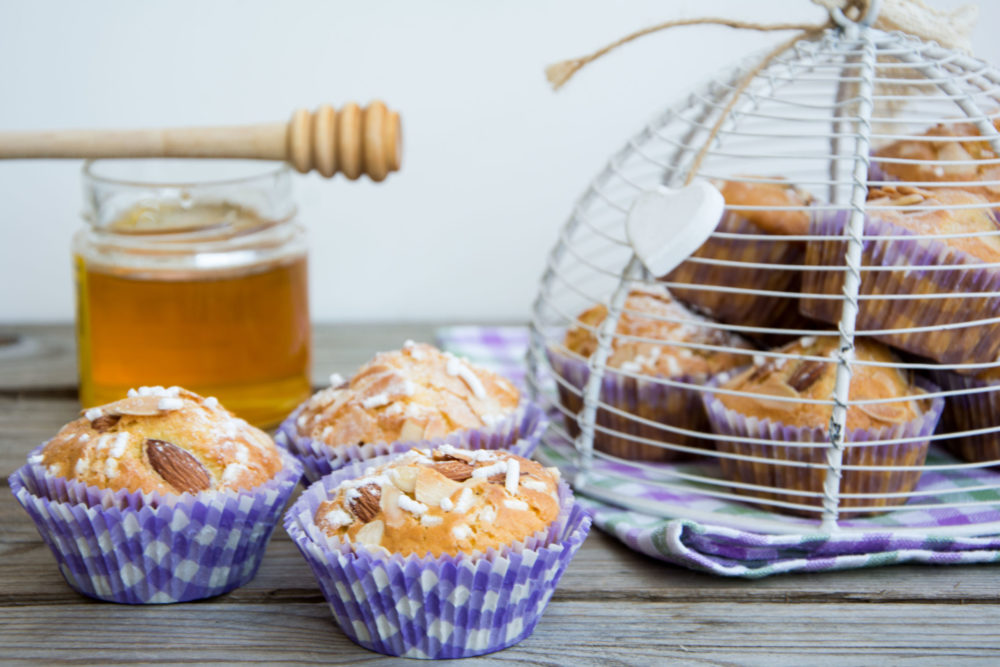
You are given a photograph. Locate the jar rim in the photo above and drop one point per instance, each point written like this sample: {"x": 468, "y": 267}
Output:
{"x": 268, "y": 169}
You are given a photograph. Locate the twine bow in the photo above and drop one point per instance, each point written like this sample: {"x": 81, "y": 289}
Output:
{"x": 950, "y": 29}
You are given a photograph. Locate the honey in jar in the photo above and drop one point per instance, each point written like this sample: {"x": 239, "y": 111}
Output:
{"x": 196, "y": 283}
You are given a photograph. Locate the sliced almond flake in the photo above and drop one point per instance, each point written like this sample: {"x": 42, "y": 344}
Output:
{"x": 136, "y": 406}
{"x": 892, "y": 413}
{"x": 431, "y": 486}
{"x": 776, "y": 388}
{"x": 371, "y": 534}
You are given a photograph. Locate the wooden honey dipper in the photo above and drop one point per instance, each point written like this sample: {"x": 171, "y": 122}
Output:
{"x": 352, "y": 141}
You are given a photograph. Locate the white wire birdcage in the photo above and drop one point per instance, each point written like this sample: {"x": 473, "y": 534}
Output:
{"x": 819, "y": 116}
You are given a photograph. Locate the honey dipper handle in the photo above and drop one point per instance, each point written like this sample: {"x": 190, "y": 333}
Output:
{"x": 352, "y": 141}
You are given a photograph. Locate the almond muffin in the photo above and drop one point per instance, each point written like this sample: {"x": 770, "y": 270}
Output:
{"x": 163, "y": 440}
{"x": 650, "y": 343}
{"x": 444, "y": 501}
{"x": 789, "y": 217}
{"x": 888, "y": 214}
{"x": 777, "y": 407}
{"x": 402, "y": 398}
{"x": 438, "y": 553}
{"x": 162, "y": 496}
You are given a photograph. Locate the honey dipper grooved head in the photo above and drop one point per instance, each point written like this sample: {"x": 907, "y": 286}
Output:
{"x": 352, "y": 141}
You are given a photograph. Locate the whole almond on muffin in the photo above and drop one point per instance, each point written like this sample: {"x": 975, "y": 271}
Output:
{"x": 165, "y": 440}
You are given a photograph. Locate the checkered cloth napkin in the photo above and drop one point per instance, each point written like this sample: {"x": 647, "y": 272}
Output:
{"x": 734, "y": 539}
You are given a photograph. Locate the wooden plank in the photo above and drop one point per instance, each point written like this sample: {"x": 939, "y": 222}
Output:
{"x": 613, "y": 605}
{"x": 629, "y": 633}
{"x": 44, "y": 362}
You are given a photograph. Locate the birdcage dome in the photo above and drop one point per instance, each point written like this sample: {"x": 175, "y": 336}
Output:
{"x": 828, "y": 357}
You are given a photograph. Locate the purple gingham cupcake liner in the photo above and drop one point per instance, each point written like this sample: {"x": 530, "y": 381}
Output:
{"x": 745, "y": 309}
{"x": 518, "y": 433}
{"x": 435, "y": 608}
{"x": 969, "y": 412}
{"x": 978, "y": 343}
{"x": 648, "y": 399}
{"x": 787, "y": 479}
{"x": 148, "y": 548}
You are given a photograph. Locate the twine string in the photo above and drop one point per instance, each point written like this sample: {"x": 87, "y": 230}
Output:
{"x": 951, "y": 29}
{"x": 560, "y": 73}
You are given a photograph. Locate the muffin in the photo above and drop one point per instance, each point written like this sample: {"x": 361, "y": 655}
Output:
{"x": 442, "y": 553}
{"x": 404, "y": 398}
{"x": 888, "y": 215}
{"x": 800, "y": 465}
{"x": 970, "y": 412}
{"x": 445, "y": 501}
{"x": 751, "y": 309}
{"x": 632, "y": 382}
{"x": 972, "y": 157}
{"x": 163, "y": 496}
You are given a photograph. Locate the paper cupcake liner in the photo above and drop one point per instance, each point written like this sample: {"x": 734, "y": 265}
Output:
{"x": 445, "y": 607}
{"x": 139, "y": 548}
{"x": 967, "y": 412}
{"x": 518, "y": 433}
{"x": 971, "y": 344}
{"x": 727, "y": 422}
{"x": 744, "y": 309}
{"x": 648, "y": 399}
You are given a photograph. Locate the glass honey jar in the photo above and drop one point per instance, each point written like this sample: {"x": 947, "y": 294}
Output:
{"x": 193, "y": 273}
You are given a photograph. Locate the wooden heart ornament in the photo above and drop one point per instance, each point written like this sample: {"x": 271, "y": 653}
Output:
{"x": 666, "y": 225}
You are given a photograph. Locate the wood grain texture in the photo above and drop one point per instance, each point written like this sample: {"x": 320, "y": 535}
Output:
{"x": 633, "y": 633}
{"x": 613, "y": 606}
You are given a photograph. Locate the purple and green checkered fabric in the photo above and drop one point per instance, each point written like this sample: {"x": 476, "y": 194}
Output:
{"x": 735, "y": 539}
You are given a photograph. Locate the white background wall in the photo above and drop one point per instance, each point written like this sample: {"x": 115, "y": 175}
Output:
{"x": 493, "y": 159}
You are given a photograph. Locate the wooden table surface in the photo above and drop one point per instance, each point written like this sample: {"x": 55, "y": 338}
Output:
{"x": 613, "y": 606}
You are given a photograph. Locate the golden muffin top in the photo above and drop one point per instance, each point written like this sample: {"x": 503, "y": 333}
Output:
{"x": 947, "y": 220}
{"x": 168, "y": 440}
{"x": 443, "y": 501}
{"x": 416, "y": 393}
{"x": 641, "y": 319}
{"x": 810, "y": 379}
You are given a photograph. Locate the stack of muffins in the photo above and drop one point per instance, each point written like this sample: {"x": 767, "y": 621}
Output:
{"x": 744, "y": 357}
